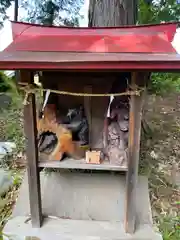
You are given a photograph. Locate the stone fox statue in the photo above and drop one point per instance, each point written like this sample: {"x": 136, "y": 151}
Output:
{"x": 48, "y": 123}
{"x": 60, "y": 132}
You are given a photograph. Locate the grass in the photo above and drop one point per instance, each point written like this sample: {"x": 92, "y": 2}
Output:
{"x": 8, "y": 199}
{"x": 170, "y": 227}
{"x": 11, "y": 129}
{"x": 11, "y": 125}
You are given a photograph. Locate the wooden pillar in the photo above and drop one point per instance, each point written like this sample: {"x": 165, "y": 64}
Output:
{"x": 136, "y": 104}
{"x": 88, "y": 111}
{"x": 30, "y": 128}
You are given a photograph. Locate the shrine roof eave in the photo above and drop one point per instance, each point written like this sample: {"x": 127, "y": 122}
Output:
{"x": 89, "y": 61}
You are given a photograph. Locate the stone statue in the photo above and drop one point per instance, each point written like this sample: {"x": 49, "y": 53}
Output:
{"x": 118, "y": 128}
{"x": 77, "y": 123}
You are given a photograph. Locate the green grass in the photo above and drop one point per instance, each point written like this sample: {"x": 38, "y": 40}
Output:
{"x": 8, "y": 199}
{"x": 170, "y": 228}
{"x": 11, "y": 119}
{"x": 11, "y": 129}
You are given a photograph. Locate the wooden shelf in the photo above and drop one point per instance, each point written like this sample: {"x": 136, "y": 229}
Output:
{"x": 81, "y": 164}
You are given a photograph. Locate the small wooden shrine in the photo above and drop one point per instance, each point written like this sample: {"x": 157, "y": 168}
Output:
{"x": 93, "y": 81}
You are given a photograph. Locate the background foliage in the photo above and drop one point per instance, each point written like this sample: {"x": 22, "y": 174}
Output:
{"x": 4, "y": 5}
{"x": 154, "y": 12}
{"x": 158, "y": 11}
{"x": 4, "y": 85}
{"x": 57, "y": 12}
{"x": 47, "y": 12}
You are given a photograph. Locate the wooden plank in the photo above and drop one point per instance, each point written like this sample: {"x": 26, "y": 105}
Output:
{"x": 89, "y": 61}
{"x": 136, "y": 104}
{"x": 88, "y": 111}
{"x": 32, "y": 155}
{"x": 80, "y": 57}
{"x": 81, "y": 164}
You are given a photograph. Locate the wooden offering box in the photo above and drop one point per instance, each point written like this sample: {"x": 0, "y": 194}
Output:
{"x": 93, "y": 157}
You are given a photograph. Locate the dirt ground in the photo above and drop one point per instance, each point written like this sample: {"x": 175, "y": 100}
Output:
{"x": 160, "y": 154}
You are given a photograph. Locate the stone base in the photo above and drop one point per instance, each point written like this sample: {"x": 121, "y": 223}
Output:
{"x": 61, "y": 229}
{"x": 83, "y": 206}
{"x": 96, "y": 196}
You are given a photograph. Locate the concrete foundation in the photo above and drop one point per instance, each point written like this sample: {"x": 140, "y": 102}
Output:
{"x": 76, "y": 230}
{"x": 83, "y": 206}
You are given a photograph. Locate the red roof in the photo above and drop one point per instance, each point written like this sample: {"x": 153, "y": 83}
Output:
{"x": 36, "y": 46}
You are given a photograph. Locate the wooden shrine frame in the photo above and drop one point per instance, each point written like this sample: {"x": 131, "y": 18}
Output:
{"x": 33, "y": 166}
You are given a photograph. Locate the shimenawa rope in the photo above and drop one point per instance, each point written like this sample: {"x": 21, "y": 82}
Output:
{"x": 28, "y": 89}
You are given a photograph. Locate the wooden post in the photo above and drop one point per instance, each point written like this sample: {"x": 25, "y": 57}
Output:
{"x": 136, "y": 104}
{"x": 88, "y": 111}
{"x": 30, "y": 128}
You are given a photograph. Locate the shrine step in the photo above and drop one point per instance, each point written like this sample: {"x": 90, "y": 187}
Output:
{"x": 61, "y": 229}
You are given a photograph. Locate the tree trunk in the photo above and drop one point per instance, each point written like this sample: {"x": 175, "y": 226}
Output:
{"x": 16, "y": 10}
{"x": 110, "y": 13}
{"x": 16, "y": 6}
{"x": 113, "y": 13}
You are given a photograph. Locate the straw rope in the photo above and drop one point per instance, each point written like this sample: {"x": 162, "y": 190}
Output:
{"x": 29, "y": 89}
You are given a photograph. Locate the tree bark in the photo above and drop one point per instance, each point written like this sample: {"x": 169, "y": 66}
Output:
{"x": 16, "y": 10}
{"x": 114, "y": 13}
{"x": 110, "y": 13}
{"x": 16, "y": 6}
